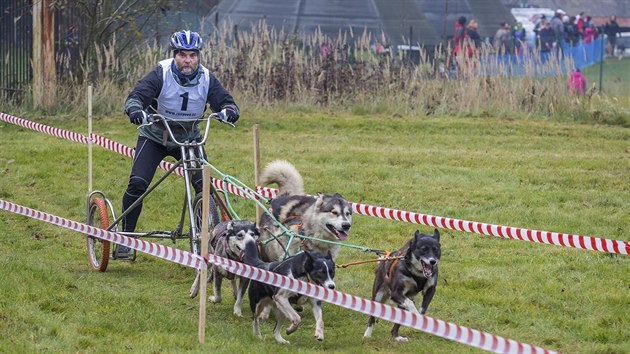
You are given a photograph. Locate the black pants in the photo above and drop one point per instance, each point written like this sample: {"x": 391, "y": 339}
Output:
{"x": 145, "y": 163}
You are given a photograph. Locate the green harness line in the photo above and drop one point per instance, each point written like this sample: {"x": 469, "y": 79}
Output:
{"x": 255, "y": 196}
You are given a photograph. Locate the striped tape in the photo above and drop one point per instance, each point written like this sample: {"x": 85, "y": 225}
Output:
{"x": 169, "y": 253}
{"x": 547, "y": 237}
{"x": 448, "y": 330}
{"x": 537, "y": 236}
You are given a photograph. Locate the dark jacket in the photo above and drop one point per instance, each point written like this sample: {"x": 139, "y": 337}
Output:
{"x": 147, "y": 91}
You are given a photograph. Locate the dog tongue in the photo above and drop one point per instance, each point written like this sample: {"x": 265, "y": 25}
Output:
{"x": 342, "y": 235}
{"x": 427, "y": 270}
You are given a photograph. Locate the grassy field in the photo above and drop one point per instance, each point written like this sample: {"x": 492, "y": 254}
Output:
{"x": 531, "y": 173}
{"x": 615, "y": 76}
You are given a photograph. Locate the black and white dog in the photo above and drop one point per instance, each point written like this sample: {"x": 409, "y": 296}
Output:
{"x": 402, "y": 279}
{"x": 308, "y": 266}
{"x": 324, "y": 216}
{"x": 228, "y": 240}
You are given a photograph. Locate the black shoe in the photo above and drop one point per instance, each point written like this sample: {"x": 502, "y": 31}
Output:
{"x": 124, "y": 253}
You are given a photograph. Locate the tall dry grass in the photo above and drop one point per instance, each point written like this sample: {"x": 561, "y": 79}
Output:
{"x": 264, "y": 67}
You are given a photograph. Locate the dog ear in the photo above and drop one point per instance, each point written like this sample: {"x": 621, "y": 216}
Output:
{"x": 230, "y": 226}
{"x": 308, "y": 260}
{"x": 415, "y": 238}
{"x": 320, "y": 200}
{"x": 338, "y": 195}
{"x": 436, "y": 235}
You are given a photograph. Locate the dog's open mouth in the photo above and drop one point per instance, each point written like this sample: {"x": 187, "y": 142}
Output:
{"x": 427, "y": 270}
{"x": 339, "y": 234}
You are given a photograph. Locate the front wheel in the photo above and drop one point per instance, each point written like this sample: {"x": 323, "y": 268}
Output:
{"x": 213, "y": 220}
{"x": 195, "y": 238}
{"x": 98, "y": 249}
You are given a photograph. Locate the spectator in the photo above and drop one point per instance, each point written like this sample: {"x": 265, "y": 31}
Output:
{"x": 459, "y": 35}
{"x": 540, "y": 23}
{"x": 590, "y": 32}
{"x": 571, "y": 32}
{"x": 519, "y": 38}
{"x": 580, "y": 24}
{"x": 558, "y": 27}
{"x": 473, "y": 33}
{"x": 576, "y": 82}
{"x": 547, "y": 38}
{"x": 612, "y": 30}
{"x": 502, "y": 38}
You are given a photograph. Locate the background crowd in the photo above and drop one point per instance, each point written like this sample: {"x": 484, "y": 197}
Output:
{"x": 551, "y": 34}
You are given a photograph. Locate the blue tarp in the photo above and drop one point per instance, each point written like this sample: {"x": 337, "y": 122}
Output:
{"x": 545, "y": 63}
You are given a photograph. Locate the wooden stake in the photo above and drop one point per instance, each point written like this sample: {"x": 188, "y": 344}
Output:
{"x": 203, "y": 272}
{"x": 257, "y": 168}
{"x": 89, "y": 102}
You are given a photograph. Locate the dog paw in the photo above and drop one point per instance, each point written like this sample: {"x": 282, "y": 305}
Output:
{"x": 319, "y": 337}
{"x": 401, "y": 339}
{"x": 293, "y": 327}
{"x": 214, "y": 299}
{"x": 282, "y": 341}
{"x": 237, "y": 312}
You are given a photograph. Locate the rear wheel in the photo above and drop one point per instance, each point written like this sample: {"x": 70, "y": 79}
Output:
{"x": 98, "y": 249}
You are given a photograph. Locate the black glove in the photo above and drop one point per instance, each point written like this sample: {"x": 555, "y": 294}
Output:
{"x": 138, "y": 117}
{"x": 231, "y": 113}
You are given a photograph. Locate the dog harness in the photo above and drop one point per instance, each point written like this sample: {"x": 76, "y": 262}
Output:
{"x": 391, "y": 268}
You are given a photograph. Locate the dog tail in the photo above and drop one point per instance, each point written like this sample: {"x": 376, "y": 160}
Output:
{"x": 285, "y": 175}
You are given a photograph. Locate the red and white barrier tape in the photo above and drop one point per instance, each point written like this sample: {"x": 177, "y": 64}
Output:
{"x": 169, "y": 253}
{"x": 461, "y": 334}
{"x": 547, "y": 237}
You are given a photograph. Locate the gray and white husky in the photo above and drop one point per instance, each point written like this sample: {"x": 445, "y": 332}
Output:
{"x": 324, "y": 216}
{"x": 402, "y": 279}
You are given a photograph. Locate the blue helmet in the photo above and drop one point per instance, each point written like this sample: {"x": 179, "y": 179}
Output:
{"x": 186, "y": 40}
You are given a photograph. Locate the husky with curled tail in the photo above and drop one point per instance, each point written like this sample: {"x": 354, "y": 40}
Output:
{"x": 323, "y": 216}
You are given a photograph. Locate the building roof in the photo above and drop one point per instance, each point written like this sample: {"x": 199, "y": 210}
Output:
{"x": 426, "y": 21}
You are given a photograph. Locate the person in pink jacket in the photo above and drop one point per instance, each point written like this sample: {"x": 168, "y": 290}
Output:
{"x": 577, "y": 82}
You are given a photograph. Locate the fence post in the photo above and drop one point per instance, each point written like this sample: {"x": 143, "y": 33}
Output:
{"x": 601, "y": 63}
{"x": 44, "y": 77}
{"x": 203, "y": 272}
{"x": 257, "y": 167}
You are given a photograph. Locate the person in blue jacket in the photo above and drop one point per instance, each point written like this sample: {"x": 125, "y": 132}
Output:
{"x": 178, "y": 87}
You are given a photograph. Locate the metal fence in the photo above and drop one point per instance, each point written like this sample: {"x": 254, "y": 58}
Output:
{"x": 16, "y": 43}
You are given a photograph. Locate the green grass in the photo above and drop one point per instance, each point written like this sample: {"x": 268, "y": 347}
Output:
{"x": 531, "y": 173}
{"x": 615, "y": 76}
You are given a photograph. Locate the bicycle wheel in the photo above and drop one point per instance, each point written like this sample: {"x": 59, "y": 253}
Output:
{"x": 98, "y": 250}
{"x": 213, "y": 220}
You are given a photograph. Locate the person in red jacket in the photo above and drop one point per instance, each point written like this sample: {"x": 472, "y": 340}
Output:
{"x": 577, "y": 82}
{"x": 460, "y": 34}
